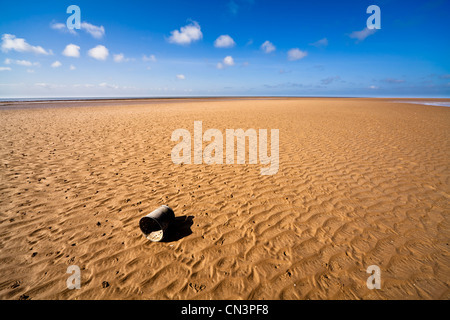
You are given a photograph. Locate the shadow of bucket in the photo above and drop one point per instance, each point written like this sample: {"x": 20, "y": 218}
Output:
{"x": 155, "y": 224}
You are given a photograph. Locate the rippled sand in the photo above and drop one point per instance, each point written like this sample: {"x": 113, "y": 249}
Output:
{"x": 361, "y": 182}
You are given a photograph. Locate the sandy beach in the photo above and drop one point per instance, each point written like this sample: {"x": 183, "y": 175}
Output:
{"x": 361, "y": 182}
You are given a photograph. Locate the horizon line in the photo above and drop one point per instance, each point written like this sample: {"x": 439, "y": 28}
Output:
{"x": 103, "y": 98}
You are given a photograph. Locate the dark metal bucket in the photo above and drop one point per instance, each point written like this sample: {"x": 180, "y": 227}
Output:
{"x": 155, "y": 224}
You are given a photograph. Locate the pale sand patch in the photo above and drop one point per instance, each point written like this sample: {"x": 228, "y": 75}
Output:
{"x": 361, "y": 182}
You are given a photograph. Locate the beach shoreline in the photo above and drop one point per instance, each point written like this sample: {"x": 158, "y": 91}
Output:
{"x": 83, "y": 102}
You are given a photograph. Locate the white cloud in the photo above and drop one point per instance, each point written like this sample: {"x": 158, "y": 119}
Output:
{"x": 374, "y": 87}
{"x": 228, "y": 60}
{"x": 363, "y": 34}
{"x": 181, "y": 77}
{"x": 72, "y": 67}
{"x": 120, "y": 58}
{"x": 50, "y": 85}
{"x": 99, "y": 52}
{"x": 224, "y": 41}
{"x": 42, "y": 85}
{"x": 115, "y": 86}
{"x": 95, "y": 31}
{"x": 296, "y": 54}
{"x": 268, "y": 47}
{"x": 10, "y": 42}
{"x": 151, "y": 58}
{"x": 187, "y": 34}
{"x": 110, "y": 86}
{"x": 321, "y": 43}
{"x": 24, "y": 63}
{"x": 72, "y": 50}
{"x": 62, "y": 27}
{"x": 56, "y": 64}
{"x": 58, "y": 26}
{"x": 5, "y": 69}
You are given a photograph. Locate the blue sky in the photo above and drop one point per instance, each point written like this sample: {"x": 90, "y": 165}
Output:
{"x": 215, "y": 48}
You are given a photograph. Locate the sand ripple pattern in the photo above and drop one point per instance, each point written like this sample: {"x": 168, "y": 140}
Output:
{"x": 361, "y": 182}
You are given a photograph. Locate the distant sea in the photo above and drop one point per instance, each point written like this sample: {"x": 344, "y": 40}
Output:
{"x": 428, "y": 103}
{"x": 69, "y": 99}
{"x": 80, "y": 99}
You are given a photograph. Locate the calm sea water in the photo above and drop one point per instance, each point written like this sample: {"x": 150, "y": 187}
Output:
{"x": 428, "y": 103}
{"x": 138, "y": 100}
